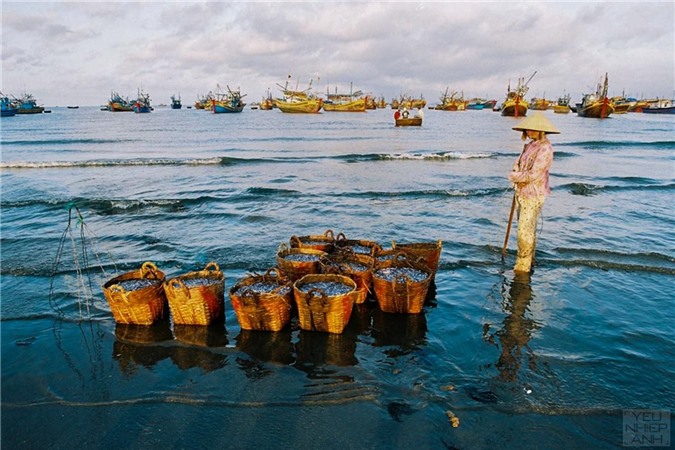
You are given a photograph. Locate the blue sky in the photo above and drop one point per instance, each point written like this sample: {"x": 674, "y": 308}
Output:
{"x": 68, "y": 53}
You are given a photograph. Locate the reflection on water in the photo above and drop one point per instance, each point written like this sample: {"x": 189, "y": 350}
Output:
{"x": 315, "y": 349}
{"x": 140, "y": 345}
{"x": 266, "y": 346}
{"x": 212, "y": 335}
{"x": 516, "y": 329}
{"x": 404, "y": 332}
{"x": 145, "y": 345}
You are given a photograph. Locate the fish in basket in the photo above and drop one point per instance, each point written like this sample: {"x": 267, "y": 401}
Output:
{"x": 401, "y": 284}
{"x": 324, "y": 242}
{"x": 197, "y": 298}
{"x": 295, "y": 263}
{"x": 324, "y": 302}
{"x": 430, "y": 252}
{"x": 360, "y": 246}
{"x": 137, "y": 297}
{"x": 357, "y": 266}
{"x": 263, "y": 302}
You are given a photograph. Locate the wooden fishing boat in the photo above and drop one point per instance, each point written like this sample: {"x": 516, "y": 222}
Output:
{"x": 7, "y": 107}
{"x": 409, "y": 122}
{"x": 381, "y": 102}
{"x": 596, "y": 105}
{"x": 267, "y": 102}
{"x": 117, "y": 103}
{"x": 660, "y": 107}
{"x": 515, "y": 104}
{"x": 175, "y": 102}
{"x": 231, "y": 102}
{"x": 28, "y": 105}
{"x": 299, "y": 102}
{"x": 452, "y": 102}
{"x": 142, "y": 103}
{"x": 408, "y": 102}
{"x": 370, "y": 102}
{"x": 563, "y": 104}
{"x": 539, "y": 104}
{"x": 352, "y": 102}
{"x": 204, "y": 101}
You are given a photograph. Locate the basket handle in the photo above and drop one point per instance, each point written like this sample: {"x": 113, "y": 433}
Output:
{"x": 295, "y": 241}
{"x": 248, "y": 296}
{"x": 318, "y": 293}
{"x": 212, "y": 266}
{"x": 177, "y": 284}
{"x": 341, "y": 237}
{"x": 149, "y": 270}
{"x": 329, "y": 234}
{"x": 117, "y": 289}
{"x": 282, "y": 247}
{"x": 273, "y": 272}
{"x": 402, "y": 278}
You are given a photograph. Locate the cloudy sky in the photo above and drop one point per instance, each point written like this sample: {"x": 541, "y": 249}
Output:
{"x": 76, "y": 53}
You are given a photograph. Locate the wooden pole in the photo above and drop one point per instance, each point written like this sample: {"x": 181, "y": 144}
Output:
{"x": 508, "y": 227}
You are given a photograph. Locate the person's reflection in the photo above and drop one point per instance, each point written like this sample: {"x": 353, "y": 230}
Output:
{"x": 517, "y": 329}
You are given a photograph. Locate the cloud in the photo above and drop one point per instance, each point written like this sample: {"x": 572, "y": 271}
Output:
{"x": 86, "y": 49}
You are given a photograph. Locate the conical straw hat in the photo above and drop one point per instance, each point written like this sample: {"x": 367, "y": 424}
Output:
{"x": 537, "y": 122}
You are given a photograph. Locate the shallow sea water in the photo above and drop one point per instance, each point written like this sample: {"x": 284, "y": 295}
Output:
{"x": 552, "y": 361}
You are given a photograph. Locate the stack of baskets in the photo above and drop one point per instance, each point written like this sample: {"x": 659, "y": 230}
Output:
{"x": 321, "y": 276}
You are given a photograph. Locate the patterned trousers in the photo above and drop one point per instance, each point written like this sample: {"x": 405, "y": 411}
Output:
{"x": 528, "y": 212}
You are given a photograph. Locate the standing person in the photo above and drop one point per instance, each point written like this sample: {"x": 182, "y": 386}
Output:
{"x": 420, "y": 113}
{"x": 530, "y": 176}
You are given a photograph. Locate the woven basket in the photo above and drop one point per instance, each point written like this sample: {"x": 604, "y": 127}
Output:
{"x": 342, "y": 263}
{"x": 430, "y": 252}
{"x": 294, "y": 270}
{"x": 318, "y": 311}
{"x": 199, "y": 304}
{"x": 141, "y": 306}
{"x": 358, "y": 246}
{"x": 401, "y": 295}
{"x": 324, "y": 242}
{"x": 265, "y": 311}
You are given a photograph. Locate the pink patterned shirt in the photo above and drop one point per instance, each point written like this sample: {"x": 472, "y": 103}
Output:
{"x": 530, "y": 172}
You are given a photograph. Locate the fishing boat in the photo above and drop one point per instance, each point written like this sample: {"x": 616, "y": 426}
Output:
{"x": 299, "y": 102}
{"x": 267, "y": 102}
{"x": 660, "y": 107}
{"x": 381, "y": 102}
{"x": 142, "y": 103}
{"x": 370, "y": 102}
{"x": 563, "y": 104}
{"x": 408, "y": 102}
{"x": 515, "y": 104}
{"x": 204, "y": 101}
{"x": 230, "y": 102}
{"x": 28, "y": 105}
{"x": 117, "y": 103}
{"x": 352, "y": 102}
{"x": 8, "y": 108}
{"x": 597, "y": 104}
{"x": 409, "y": 122}
{"x": 539, "y": 104}
{"x": 175, "y": 102}
{"x": 452, "y": 102}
